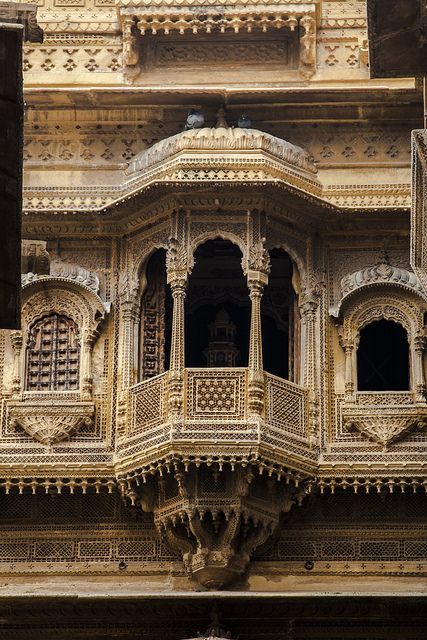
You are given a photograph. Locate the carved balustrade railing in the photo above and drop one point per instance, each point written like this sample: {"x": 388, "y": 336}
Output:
{"x": 286, "y": 407}
{"x": 215, "y": 422}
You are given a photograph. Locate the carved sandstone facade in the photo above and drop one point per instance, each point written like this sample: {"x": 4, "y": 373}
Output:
{"x": 281, "y": 250}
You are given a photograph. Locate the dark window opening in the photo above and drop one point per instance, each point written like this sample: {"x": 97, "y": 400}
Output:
{"x": 383, "y": 357}
{"x": 280, "y": 319}
{"x": 217, "y": 308}
{"x": 156, "y": 319}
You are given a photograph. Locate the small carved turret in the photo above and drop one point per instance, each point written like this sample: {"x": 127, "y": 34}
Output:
{"x": 221, "y": 351}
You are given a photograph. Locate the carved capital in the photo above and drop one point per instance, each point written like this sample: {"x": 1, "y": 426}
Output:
{"x": 16, "y": 339}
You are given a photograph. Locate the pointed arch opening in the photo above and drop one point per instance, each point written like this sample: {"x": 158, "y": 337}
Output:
{"x": 155, "y": 318}
{"x": 280, "y": 319}
{"x": 383, "y": 357}
{"x": 217, "y": 317}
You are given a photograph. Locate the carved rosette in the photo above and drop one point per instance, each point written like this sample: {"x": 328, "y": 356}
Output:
{"x": 50, "y": 423}
{"x": 213, "y": 516}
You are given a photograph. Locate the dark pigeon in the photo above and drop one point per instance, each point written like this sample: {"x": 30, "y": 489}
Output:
{"x": 195, "y": 120}
{"x": 244, "y": 122}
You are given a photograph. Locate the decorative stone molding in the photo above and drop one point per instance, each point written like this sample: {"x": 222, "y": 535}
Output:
{"x": 50, "y": 422}
{"x": 218, "y": 17}
{"x": 65, "y": 271}
{"x": 381, "y": 273}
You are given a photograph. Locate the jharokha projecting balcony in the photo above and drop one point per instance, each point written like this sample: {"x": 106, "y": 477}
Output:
{"x": 217, "y": 452}
{"x": 184, "y": 435}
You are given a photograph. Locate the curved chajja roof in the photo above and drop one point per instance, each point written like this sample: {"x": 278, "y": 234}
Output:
{"x": 223, "y": 139}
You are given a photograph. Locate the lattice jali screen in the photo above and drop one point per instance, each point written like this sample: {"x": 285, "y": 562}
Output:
{"x": 53, "y": 355}
{"x": 216, "y": 394}
{"x": 286, "y": 405}
{"x": 148, "y": 403}
{"x": 353, "y": 545}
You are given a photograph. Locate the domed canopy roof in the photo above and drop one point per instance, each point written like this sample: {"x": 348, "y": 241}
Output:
{"x": 242, "y": 142}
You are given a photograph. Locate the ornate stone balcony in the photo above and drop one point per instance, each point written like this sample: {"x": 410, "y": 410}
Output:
{"x": 211, "y": 472}
{"x": 216, "y": 423}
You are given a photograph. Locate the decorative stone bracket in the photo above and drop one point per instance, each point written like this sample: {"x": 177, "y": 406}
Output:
{"x": 213, "y": 517}
{"x": 197, "y": 17}
{"x": 50, "y": 422}
{"x": 384, "y": 424}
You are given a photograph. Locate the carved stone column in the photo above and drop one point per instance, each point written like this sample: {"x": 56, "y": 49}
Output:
{"x": 16, "y": 339}
{"x": 420, "y": 342}
{"x": 177, "y": 275}
{"x": 258, "y": 268}
{"x": 129, "y": 319}
{"x": 308, "y": 309}
{"x": 129, "y": 316}
{"x": 256, "y": 283}
{"x": 87, "y": 383}
{"x": 349, "y": 345}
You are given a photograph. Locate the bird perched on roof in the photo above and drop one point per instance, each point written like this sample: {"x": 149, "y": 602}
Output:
{"x": 244, "y": 121}
{"x": 195, "y": 120}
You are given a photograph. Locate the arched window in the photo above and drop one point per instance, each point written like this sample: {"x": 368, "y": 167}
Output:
{"x": 53, "y": 355}
{"x": 156, "y": 319}
{"x": 217, "y": 308}
{"x": 383, "y": 357}
{"x": 280, "y": 319}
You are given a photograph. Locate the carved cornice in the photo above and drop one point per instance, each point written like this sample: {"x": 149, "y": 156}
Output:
{"x": 65, "y": 271}
{"x": 195, "y": 17}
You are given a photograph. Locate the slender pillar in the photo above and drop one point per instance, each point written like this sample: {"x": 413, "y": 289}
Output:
{"x": 258, "y": 268}
{"x": 419, "y": 379}
{"x": 88, "y": 344}
{"x": 256, "y": 369}
{"x": 177, "y": 276}
{"x": 349, "y": 346}
{"x": 16, "y": 339}
{"x": 178, "y": 287}
{"x": 308, "y": 309}
{"x": 129, "y": 317}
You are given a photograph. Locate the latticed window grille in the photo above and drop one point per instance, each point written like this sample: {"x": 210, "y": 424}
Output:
{"x": 53, "y": 355}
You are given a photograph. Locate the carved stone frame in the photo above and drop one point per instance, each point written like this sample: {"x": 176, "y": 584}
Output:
{"x": 406, "y": 310}
{"x": 53, "y": 416}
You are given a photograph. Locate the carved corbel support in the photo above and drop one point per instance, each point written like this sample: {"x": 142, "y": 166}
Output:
{"x": 130, "y": 47}
{"x": 308, "y": 45}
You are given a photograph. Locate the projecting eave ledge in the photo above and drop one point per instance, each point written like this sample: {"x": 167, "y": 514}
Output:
{"x": 222, "y": 156}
